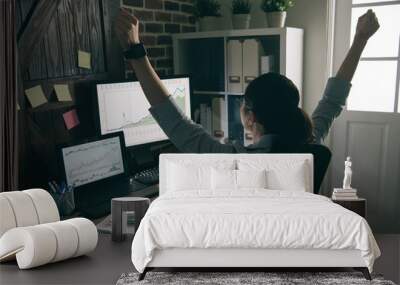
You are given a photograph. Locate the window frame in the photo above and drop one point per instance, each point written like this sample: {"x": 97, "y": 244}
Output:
{"x": 396, "y": 106}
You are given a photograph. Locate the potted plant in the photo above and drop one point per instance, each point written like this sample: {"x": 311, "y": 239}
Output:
{"x": 208, "y": 13}
{"x": 241, "y": 14}
{"x": 276, "y": 11}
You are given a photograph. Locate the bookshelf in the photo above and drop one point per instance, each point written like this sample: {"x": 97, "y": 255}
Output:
{"x": 208, "y": 57}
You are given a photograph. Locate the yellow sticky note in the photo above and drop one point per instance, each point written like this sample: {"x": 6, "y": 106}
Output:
{"x": 18, "y": 107}
{"x": 36, "y": 96}
{"x": 62, "y": 92}
{"x": 84, "y": 59}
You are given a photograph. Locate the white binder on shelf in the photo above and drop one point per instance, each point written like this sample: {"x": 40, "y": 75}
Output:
{"x": 251, "y": 61}
{"x": 235, "y": 66}
{"x": 224, "y": 119}
{"x": 203, "y": 115}
{"x": 219, "y": 119}
{"x": 267, "y": 64}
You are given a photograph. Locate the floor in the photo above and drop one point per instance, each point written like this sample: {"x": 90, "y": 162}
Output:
{"x": 103, "y": 266}
{"x": 110, "y": 260}
{"x": 389, "y": 262}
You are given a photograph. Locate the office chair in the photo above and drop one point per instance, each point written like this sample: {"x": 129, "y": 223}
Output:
{"x": 322, "y": 157}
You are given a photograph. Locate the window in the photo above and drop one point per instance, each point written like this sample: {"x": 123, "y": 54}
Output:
{"x": 376, "y": 82}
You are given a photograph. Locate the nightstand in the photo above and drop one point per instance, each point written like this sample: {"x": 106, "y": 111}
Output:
{"x": 358, "y": 206}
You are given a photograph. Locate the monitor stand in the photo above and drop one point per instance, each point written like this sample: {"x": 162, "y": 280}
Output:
{"x": 142, "y": 158}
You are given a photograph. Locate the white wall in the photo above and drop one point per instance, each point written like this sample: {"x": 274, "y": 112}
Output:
{"x": 310, "y": 15}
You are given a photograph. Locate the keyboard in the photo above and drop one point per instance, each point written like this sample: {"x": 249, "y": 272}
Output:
{"x": 147, "y": 176}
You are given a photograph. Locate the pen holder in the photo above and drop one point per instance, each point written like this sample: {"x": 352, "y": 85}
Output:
{"x": 65, "y": 202}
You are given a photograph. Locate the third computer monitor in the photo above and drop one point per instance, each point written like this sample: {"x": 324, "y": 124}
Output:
{"x": 124, "y": 107}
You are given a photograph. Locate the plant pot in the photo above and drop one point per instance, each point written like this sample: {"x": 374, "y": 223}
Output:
{"x": 241, "y": 21}
{"x": 276, "y": 19}
{"x": 209, "y": 23}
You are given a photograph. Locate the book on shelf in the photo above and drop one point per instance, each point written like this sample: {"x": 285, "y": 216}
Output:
{"x": 267, "y": 64}
{"x": 209, "y": 120}
{"x": 196, "y": 116}
{"x": 203, "y": 115}
{"x": 213, "y": 118}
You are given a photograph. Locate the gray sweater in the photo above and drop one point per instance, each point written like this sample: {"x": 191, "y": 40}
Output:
{"x": 192, "y": 138}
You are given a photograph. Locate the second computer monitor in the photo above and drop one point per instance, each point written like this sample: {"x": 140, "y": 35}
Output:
{"x": 124, "y": 107}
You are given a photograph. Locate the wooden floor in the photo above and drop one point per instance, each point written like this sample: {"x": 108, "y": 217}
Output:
{"x": 110, "y": 260}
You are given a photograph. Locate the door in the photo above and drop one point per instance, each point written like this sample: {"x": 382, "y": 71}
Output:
{"x": 369, "y": 129}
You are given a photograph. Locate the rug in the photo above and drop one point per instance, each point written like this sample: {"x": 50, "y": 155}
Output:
{"x": 244, "y": 278}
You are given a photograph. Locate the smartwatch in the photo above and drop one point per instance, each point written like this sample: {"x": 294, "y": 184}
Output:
{"x": 135, "y": 51}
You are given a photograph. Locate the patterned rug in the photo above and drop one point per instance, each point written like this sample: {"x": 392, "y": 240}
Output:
{"x": 244, "y": 278}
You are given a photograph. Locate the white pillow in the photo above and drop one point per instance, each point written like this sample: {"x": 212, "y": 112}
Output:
{"x": 251, "y": 178}
{"x": 182, "y": 178}
{"x": 186, "y": 176}
{"x": 225, "y": 179}
{"x": 282, "y": 174}
{"x": 291, "y": 179}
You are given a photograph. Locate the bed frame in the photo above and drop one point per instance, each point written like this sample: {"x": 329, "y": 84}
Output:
{"x": 241, "y": 259}
{"x": 256, "y": 259}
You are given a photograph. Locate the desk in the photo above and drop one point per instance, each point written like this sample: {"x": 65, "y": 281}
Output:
{"x": 150, "y": 192}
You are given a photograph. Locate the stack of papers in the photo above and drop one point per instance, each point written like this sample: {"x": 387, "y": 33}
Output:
{"x": 344, "y": 194}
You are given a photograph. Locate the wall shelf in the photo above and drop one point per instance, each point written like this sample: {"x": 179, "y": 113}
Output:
{"x": 205, "y": 57}
{"x": 208, "y": 92}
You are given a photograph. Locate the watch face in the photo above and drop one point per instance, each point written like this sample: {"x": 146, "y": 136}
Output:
{"x": 135, "y": 52}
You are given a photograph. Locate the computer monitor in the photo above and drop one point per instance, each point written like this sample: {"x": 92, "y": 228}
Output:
{"x": 124, "y": 107}
{"x": 99, "y": 159}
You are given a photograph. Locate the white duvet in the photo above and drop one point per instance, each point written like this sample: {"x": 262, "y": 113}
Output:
{"x": 250, "y": 219}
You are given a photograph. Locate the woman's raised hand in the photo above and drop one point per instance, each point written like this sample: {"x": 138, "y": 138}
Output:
{"x": 367, "y": 25}
{"x": 127, "y": 28}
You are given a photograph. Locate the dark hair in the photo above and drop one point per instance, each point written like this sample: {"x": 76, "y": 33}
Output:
{"x": 274, "y": 100}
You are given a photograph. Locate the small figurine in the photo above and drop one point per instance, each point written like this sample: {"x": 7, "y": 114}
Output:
{"x": 347, "y": 173}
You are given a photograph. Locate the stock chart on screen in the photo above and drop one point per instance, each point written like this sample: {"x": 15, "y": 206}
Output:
{"x": 124, "y": 107}
{"x": 92, "y": 161}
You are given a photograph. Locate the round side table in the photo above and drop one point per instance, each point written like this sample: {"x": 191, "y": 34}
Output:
{"x": 138, "y": 205}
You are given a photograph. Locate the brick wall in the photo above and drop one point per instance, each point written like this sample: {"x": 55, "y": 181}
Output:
{"x": 159, "y": 19}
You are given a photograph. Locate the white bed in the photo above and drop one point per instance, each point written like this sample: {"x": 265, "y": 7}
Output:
{"x": 202, "y": 220}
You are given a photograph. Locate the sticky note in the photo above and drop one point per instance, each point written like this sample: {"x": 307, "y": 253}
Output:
{"x": 71, "y": 119}
{"x": 84, "y": 59}
{"x": 18, "y": 107}
{"x": 36, "y": 96}
{"x": 62, "y": 92}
